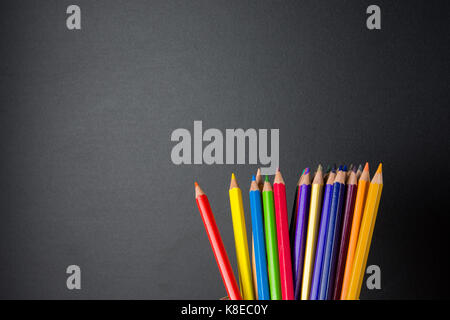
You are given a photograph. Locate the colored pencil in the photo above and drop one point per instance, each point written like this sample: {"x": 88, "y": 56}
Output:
{"x": 259, "y": 180}
{"x": 349, "y": 207}
{"x": 327, "y": 277}
{"x": 365, "y": 234}
{"x": 271, "y": 241}
{"x": 240, "y": 238}
{"x": 294, "y": 212}
{"x": 350, "y": 169}
{"x": 259, "y": 241}
{"x": 311, "y": 238}
{"x": 284, "y": 248}
{"x": 359, "y": 171}
{"x": 255, "y": 282}
{"x": 300, "y": 231}
{"x": 216, "y": 244}
{"x": 322, "y": 237}
{"x": 361, "y": 195}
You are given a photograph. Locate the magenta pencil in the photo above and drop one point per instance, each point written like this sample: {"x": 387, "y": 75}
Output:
{"x": 345, "y": 235}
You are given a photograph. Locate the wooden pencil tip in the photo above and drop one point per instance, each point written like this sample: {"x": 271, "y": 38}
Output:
{"x": 258, "y": 172}
{"x": 198, "y": 190}
{"x": 306, "y": 171}
{"x": 379, "y": 168}
{"x": 233, "y": 182}
{"x": 278, "y": 178}
{"x": 366, "y": 167}
{"x": 319, "y": 168}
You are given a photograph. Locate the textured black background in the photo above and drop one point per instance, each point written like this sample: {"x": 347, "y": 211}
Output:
{"x": 86, "y": 117}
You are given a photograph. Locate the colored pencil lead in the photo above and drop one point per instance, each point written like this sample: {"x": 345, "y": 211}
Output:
{"x": 379, "y": 168}
{"x": 366, "y": 167}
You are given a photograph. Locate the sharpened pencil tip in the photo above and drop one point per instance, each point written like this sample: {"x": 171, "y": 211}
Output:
{"x": 253, "y": 178}
{"x": 379, "y": 168}
{"x": 233, "y": 177}
{"x": 366, "y": 167}
{"x": 319, "y": 168}
{"x": 344, "y": 168}
{"x": 306, "y": 171}
{"x": 196, "y": 184}
{"x": 267, "y": 179}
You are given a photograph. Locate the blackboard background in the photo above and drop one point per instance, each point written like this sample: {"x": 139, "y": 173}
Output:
{"x": 86, "y": 117}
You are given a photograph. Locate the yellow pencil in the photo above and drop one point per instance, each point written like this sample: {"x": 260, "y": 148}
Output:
{"x": 240, "y": 239}
{"x": 311, "y": 235}
{"x": 365, "y": 234}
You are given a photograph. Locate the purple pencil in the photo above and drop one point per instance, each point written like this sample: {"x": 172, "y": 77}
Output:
{"x": 294, "y": 211}
{"x": 345, "y": 236}
{"x": 304, "y": 199}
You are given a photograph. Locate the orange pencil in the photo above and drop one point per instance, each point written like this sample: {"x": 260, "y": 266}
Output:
{"x": 361, "y": 195}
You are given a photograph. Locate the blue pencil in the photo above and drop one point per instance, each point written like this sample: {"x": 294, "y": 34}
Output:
{"x": 259, "y": 241}
{"x": 337, "y": 202}
{"x": 321, "y": 240}
{"x": 300, "y": 231}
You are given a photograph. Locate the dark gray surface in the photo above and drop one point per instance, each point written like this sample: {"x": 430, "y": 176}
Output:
{"x": 86, "y": 117}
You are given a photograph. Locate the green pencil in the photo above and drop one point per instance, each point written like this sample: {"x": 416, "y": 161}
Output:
{"x": 271, "y": 241}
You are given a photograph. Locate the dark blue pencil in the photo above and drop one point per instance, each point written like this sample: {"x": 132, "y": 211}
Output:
{"x": 321, "y": 240}
{"x": 337, "y": 202}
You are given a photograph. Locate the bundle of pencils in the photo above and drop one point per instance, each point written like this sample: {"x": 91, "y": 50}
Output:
{"x": 321, "y": 255}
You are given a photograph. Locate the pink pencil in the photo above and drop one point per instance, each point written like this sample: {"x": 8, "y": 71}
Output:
{"x": 284, "y": 248}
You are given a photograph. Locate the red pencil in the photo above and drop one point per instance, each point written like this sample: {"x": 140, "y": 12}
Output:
{"x": 284, "y": 247}
{"x": 217, "y": 245}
